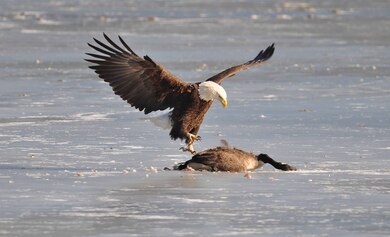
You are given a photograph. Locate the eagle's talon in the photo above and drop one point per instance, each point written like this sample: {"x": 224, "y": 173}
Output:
{"x": 192, "y": 138}
{"x": 185, "y": 149}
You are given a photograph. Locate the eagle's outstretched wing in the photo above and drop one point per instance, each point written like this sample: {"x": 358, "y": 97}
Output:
{"x": 263, "y": 56}
{"x": 141, "y": 82}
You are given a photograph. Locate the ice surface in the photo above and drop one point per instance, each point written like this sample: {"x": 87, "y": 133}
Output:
{"x": 75, "y": 160}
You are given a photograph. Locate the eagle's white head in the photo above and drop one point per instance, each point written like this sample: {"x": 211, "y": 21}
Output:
{"x": 210, "y": 90}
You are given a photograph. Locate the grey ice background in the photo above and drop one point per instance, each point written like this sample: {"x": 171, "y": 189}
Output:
{"x": 75, "y": 160}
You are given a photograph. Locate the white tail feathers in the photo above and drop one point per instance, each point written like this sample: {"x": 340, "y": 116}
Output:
{"x": 161, "y": 118}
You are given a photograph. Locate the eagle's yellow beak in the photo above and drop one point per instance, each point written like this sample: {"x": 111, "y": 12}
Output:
{"x": 223, "y": 102}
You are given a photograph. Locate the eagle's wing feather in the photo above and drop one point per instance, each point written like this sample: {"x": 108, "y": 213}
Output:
{"x": 263, "y": 56}
{"x": 141, "y": 82}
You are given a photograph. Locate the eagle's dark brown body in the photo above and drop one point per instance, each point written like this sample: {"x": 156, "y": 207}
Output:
{"x": 189, "y": 115}
{"x": 230, "y": 159}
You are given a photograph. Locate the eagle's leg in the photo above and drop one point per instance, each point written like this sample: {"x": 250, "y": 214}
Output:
{"x": 189, "y": 141}
{"x": 193, "y": 138}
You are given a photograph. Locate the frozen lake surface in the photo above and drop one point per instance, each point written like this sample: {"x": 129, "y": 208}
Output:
{"x": 75, "y": 160}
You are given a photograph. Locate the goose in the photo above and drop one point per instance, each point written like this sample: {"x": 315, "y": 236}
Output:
{"x": 231, "y": 160}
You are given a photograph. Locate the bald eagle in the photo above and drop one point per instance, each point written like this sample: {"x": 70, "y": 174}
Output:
{"x": 148, "y": 86}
